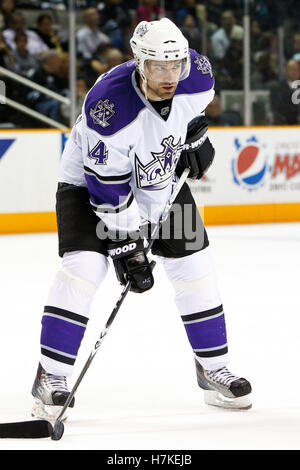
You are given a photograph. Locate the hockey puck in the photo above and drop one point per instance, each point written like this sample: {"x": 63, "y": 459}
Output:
{"x": 58, "y": 431}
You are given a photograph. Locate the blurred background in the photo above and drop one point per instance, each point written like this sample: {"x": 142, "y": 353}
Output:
{"x": 52, "y": 52}
{"x": 253, "y": 45}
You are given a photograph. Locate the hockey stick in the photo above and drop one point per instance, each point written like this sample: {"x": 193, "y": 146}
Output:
{"x": 58, "y": 428}
{"x": 26, "y": 429}
{"x": 42, "y": 428}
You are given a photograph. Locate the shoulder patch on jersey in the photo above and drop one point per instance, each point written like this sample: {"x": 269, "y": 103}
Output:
{"x": 112, "y": 103}
{"x": 102, "y": 112}
{"x": 201, "y": 77}
{"x": 203, "y": 64}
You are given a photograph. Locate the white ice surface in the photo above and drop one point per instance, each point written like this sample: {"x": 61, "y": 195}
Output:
{"x": 141, "y": 391}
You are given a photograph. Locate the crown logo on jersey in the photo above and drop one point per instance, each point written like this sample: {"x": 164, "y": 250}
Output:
{"x": 203, "y": 64}
{"x": 160, "y": 170}
{"x": 102, "y": 112}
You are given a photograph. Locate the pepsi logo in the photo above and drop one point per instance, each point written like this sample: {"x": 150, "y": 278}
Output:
{"x": 250, "y": 165}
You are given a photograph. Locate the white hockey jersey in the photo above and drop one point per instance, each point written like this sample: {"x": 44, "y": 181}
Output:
{"x": 124, "y": 151}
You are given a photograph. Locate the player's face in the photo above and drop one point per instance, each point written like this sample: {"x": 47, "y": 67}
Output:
{"x": 162, "y": 78}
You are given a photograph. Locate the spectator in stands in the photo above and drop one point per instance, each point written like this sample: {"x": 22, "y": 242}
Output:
{"x": 81, "y": 91}
{"x": 255, "y": 36}
{"x": 296, "y": 47}
{"x": 265, "y": 73}
{"x": 229, "y": 31}
{"x": 198, "y": 32}
{"x": 89, "y": 37}
{"x": 210, "y": 27}
{"x": 214, "y": 10}
{"x": 217, "y": 117}
{"x": 6, "y": 58}
{"x": 127, "y": 34}
{"x": 267, "y": 43}
{"x": 149, "y": 10}
{"x": 233, "y": 63}
{"x": 229, "y": 70}
{"x": 47, "y": 75}
{"x": 187, "y": 7}
{"x": 7, "y": 7}
{"x": 106, "y": 58}
{"x": 192, "y": 33}
{"x": 285, "y": 111}
{"x": 49, "y": 68}
{"x": 115, "y": 19}
{"x": 97, "y": 65}
{"x": 17, "y": 24}
{"x": 268, "y": 13}
{"x": 113, "y": 57}
{"x": 24, "y": 63}
{"x": 7, "y": 114}
{"x": 62, "y": 78}
{"x": 45, "y": 31}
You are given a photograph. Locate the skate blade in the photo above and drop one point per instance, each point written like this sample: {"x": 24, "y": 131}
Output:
{"x": 214, "y": 398}
{"x": 48, "y": 412}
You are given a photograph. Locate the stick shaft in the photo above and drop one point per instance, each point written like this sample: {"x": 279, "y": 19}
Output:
{"x": 166, "y": 211}
{"x": 122, "y": 296}
{"x": 95, "y": 350}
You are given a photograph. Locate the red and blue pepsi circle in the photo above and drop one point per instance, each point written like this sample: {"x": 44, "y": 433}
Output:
{"x": 250, "y": 165}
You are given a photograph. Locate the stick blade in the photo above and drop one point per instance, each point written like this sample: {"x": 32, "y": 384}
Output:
{"x": 58, "y": 431}
{"x": 26, "y": 430}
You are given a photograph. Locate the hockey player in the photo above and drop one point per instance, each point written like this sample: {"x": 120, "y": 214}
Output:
{"x": 142, "y": 123}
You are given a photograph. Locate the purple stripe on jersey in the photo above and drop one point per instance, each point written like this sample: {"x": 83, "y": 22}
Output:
{"x": 113, "y": 194}
{"x": 199, "y": 79}
{"x": 61, "y": 335}
{"x": 207, "y": 334}
{"x": 112, "y": 103}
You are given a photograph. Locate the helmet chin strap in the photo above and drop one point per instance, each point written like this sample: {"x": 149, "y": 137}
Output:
{"x": 144, "y": 84}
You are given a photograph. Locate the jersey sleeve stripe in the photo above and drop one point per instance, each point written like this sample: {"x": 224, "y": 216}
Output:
{"x": 108, "y": 208}
{"x": 108, "y": 179}
{"x": 112, "y": 194}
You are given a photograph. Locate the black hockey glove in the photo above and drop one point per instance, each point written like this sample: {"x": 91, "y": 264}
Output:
{"x": 131, "y": 263}
{"x": 198, "y": 152}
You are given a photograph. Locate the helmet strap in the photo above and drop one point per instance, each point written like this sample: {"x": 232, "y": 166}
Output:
{"x": 144, "y": 85}
{"x": 144, "y": 81}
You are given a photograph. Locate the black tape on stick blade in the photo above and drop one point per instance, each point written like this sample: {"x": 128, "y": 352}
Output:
{"x": 26, "y": 430}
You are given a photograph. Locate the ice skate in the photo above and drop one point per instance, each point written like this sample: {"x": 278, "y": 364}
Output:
{"x": 223, "y": 389}
{"x": 50, "y": 393}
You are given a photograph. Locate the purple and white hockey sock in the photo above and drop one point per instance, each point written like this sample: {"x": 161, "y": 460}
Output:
{"x": 198, "y": 301}
{"x": 67, "y": 310}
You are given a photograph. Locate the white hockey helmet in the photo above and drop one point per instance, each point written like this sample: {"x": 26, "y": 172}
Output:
{"x": 160, "y": 40}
